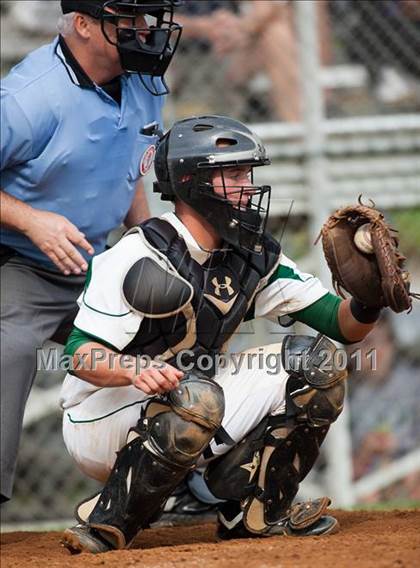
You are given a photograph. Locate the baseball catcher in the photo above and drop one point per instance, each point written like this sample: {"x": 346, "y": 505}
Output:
{"x": 152, "y": 393}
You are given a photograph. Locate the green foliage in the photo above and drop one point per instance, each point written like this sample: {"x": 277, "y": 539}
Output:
{"x": 407, "y": 222}
{"x": 295, "y": 239}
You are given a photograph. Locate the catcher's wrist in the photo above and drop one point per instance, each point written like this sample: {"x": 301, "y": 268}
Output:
{"x": 363, "y": 314}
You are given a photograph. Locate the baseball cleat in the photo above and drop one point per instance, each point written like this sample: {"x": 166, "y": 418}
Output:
{"x": 81, "y": 538}
{"x": 230, "y": 525}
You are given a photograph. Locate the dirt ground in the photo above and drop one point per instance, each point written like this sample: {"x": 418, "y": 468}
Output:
{"x": 366, "y": 539}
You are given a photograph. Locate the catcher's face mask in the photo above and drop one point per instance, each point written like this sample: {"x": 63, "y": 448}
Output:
{"x": 143, "y": 31}
{"x": 208, "y": 163}
{"x": 233, "y": 203}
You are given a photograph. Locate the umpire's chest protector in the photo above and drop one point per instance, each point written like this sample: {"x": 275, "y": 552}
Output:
{"x": 222, "y": 291}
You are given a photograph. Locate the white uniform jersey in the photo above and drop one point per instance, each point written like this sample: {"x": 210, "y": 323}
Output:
{"x": 105, "y": 315}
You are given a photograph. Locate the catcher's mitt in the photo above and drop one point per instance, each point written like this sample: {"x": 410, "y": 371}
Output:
{"x": 374, "y": 277}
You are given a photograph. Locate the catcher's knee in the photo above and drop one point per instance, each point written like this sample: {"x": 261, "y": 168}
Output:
{"x": 180, "y": 429}
{"x": 320, "y": 408}
{"x": 316, "y": 387}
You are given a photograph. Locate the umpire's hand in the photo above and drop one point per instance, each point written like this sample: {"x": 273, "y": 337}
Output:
{"x": 56, "y": 237}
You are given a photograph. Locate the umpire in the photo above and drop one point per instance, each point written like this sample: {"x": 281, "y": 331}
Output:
{"x": 78, "y": 122}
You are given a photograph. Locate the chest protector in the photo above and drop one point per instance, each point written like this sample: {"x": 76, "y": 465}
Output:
{"x": 223, "y": 291}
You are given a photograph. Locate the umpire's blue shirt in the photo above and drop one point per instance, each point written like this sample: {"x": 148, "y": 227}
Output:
{"x": 69, "y": 147}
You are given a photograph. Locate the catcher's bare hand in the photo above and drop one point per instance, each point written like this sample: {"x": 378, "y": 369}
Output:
{"x": 157, "y": 378}
{"x": 58, "y": 238}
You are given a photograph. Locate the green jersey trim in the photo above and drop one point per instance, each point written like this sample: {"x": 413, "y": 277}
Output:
{"x": 283, "y": 272}
{"x": 78, "y": 337}
{"x": 322, "y": 316}
{"x": 90, "y": 420}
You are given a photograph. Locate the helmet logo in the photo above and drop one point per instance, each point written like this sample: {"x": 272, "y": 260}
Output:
{"x": 224, "y": 286}
{"x": 147, "y": 160}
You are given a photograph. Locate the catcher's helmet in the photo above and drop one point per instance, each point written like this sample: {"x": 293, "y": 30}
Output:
{"x": 186, "y": 160}
{"x": 150, "y": 57}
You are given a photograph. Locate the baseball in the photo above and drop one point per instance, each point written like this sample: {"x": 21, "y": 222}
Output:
{"x": 363, "y": 239}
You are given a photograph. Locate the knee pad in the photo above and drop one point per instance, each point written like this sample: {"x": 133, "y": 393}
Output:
{"x": 315, "y": 390}
{"x": 313, "y": 359}
{"x": 181, "y": 429}
{"x": 319, "y": 407}
{"x": 199, "y": 399}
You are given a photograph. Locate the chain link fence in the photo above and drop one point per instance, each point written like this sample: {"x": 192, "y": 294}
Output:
{"x": 244, "y": 58}
{"x": 243, "y": 55}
